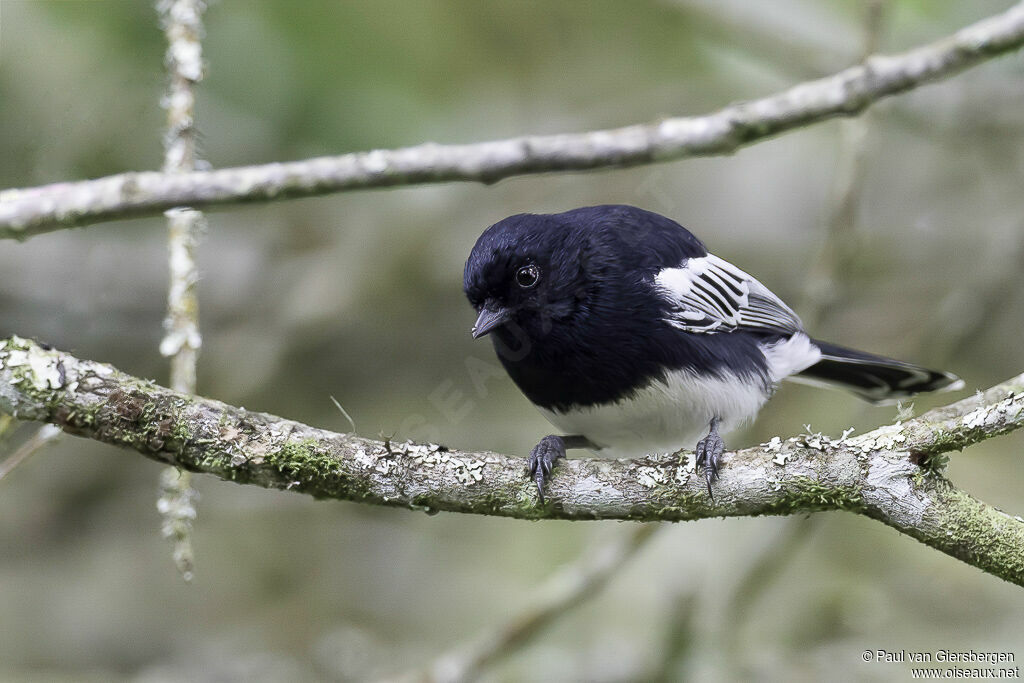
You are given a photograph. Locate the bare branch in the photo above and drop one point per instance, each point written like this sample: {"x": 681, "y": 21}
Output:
{"x": 31, "y": 211}
{"x": 570, "y": 587}
{"x": 890, "y": 474}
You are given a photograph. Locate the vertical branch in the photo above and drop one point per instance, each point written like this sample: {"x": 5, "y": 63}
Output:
{"x": 839, "y": 244}
{"x": 182, "y": 24}
{"x": 964, "y": 317}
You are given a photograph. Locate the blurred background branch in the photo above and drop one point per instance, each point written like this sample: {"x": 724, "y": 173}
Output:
{"x": 830, "y": 270}
{"x": 29, "y": 211}
{"x": 890, "y": 474}
{"x": 42, "y": 437}
{"x": 572, "y": 585}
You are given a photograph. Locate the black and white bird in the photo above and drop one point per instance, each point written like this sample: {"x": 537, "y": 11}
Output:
{"x": 631, "y": 338}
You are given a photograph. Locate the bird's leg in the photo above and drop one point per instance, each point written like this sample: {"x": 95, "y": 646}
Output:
{"x": 709, "y": 454}
{"x": 550, "y": 449}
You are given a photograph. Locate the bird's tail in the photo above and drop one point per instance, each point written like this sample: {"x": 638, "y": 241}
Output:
{"x": 874, "y": 378}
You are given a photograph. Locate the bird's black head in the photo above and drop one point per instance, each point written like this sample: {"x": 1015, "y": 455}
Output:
{"x": 563, "y": 274}
{"x": 569, "y": 301}
{"x": 526, "y": 272}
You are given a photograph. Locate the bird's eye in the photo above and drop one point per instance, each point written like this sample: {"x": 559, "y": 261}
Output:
{"x": 527, "y": 276}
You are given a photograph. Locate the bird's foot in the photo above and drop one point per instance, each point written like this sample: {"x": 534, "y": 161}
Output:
{"x": 542, "y": 460}
{"x": 709, "y": 455}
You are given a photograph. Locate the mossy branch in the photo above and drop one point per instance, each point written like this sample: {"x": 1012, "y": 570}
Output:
{"x": 891, "y": 474}
{"x": 30, "y": 211}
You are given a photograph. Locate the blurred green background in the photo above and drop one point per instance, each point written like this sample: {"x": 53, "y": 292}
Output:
{"x": 359, "y": 296}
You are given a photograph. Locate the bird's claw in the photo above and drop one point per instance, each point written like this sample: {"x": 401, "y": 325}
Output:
{"x": 709, "y": 457}
{"x": 542, "y": 460}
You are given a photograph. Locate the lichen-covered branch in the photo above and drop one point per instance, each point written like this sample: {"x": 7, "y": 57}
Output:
{"x": 30, "y": 211}
{"x": 183, "y": 28}
{"x": 182, "y": 24}
{"x": 891, "y": 474}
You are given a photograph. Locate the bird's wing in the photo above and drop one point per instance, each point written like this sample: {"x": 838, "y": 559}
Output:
{"x": 709, "y": 295}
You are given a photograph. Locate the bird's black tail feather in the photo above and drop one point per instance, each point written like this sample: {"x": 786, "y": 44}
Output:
{"x": 874, "y": 378}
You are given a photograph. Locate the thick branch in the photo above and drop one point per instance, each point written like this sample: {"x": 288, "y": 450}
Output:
{"x": 30, "y": 211}
{"x": 888, "y": 474}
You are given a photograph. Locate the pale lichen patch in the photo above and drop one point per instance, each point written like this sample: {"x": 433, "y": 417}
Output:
{"x": 976, "y": 418}
{"x": 817, "y": 440}
{"x": 423, "y": 454}
{"x": 774, "y": 445}
{"x": 991, "y": 415}
{"x": 882, "y": 439}
{"x": 377, "y": 459}
{"x": 466, "y": 470}
{"x": 363, "y": 458}
{"x": 650, "y": 477}
{"x": 44, "y": 368}
{"x": 688, "y": 460}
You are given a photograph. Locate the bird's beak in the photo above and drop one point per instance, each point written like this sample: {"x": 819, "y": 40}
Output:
{"x": 490, "y": 317}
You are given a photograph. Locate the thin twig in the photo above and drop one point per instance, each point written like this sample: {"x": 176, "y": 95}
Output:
{"x": 43, "y": 436}
{"x": 30, "y": 211}
{"x": 961, "y": 320}
{"x": 838, "y": 244}
{"x": 183, "y": 28}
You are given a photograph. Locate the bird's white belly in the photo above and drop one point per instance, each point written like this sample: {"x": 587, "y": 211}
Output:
{"x": 664, "y": 416}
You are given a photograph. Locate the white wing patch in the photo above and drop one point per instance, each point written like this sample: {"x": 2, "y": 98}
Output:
{"x": 709, "y": 295}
